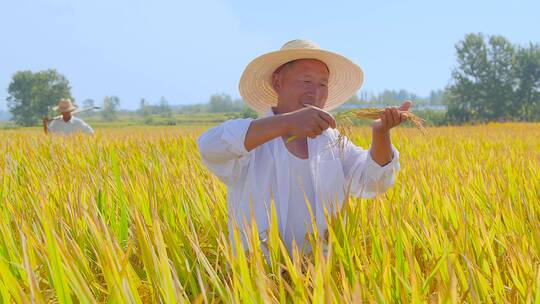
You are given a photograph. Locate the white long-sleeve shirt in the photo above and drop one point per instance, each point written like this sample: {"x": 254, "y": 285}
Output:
{"x": 301, "y": 195}
{"x": 74, "y": 124}
{"x": 262, "y": 176}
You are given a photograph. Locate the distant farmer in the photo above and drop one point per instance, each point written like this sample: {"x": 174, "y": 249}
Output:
{"x": 294, "y": 88}
{"x": 67, "y": 124}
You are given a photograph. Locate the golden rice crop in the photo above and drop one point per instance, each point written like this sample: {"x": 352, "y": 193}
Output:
{"x": 374, "y": 113}
{"x": 132, "y": 216}
{"x": 346, "y": 119}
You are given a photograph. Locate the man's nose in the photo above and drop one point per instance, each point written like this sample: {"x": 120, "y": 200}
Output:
{"x": 315, "y": 91}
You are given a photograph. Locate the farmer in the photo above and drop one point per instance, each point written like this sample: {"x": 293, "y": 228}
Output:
{"x": 68, "y": 124}
{"x": 294, "y": 88}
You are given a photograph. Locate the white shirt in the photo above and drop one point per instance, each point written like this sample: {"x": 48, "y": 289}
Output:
{"x": 261, "y": 177}
{"x": 73, "y": 125}
{"x": 301, "y": 193}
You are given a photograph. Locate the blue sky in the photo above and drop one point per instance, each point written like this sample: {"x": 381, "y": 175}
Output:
{"x": 188, "y": 50}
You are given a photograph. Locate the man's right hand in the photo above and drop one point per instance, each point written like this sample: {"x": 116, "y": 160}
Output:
{"x": 46, "y": 125}
{"x": 309, "y": 121}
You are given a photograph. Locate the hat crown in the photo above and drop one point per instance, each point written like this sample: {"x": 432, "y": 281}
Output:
{"x": 300, "y": 44}
{"x": 64, "y": 103}
{"x": 256, "y": 81}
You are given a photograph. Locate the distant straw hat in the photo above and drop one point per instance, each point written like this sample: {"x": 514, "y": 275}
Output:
{"x": 64, "y": 105}
{"x": 255, "y": 85}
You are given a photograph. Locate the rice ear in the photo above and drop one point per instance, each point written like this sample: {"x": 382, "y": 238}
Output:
{"x": 346, "y": 119}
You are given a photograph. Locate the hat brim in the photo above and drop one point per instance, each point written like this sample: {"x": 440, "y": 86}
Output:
{"x": 255, "y": 85}
{"x": 70, "y": 109}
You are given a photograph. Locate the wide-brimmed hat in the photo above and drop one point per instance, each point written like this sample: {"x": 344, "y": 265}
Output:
{"x": 65, "y": 105}
{"x": 255, "y": 85}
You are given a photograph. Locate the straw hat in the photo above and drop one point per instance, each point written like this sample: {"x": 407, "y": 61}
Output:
{"x": 64, "y": 105}
{"x": 256, "y": 82}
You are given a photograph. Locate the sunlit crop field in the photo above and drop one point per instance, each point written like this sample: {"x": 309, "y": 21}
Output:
{"x": 132, "y": 216}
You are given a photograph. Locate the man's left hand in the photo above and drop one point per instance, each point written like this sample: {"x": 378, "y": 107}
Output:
{"x": 392, "y": 116}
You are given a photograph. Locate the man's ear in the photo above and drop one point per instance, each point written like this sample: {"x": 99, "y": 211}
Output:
{"x": 275, "y": 81}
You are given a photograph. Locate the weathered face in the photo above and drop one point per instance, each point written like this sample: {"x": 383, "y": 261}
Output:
{"x": 66, "y": 115}
{"x": 304, "y": 81}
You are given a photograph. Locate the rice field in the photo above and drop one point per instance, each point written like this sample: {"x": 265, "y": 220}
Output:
{"x": 132, "y": 216}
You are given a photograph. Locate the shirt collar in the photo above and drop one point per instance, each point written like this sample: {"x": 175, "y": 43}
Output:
{"x": 269, "y": 113}
{"x": 70, "y": 121}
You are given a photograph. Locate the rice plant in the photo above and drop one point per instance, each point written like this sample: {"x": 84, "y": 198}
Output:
{"x": 132, "y": 216}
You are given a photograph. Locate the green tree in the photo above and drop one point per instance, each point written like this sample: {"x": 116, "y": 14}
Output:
{"x": 163, "y": 108}
{"x": 484, "y": 81}
{"x": 110, "y": 108}
{"x": 248, "y": 112}
{"x": 31, "y": 95}
{"x": 436, "y": 97}
{"x": 223, "y": 103}
{"x": 144, "y": 110}
{"x": 220, "y": 103}
{"x": 527, "y": 71}
{"x": 354, "y": 100}
{"x": 88, "y": 103}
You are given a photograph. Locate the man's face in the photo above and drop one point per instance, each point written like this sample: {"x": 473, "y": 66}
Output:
{"x": 66, "y": 115}
{"x": 303, "y": 81}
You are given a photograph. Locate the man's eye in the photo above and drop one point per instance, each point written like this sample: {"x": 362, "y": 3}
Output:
{"x": 324, "y": 85}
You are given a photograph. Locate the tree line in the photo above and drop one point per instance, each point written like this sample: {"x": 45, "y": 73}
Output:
{"x": 494, "y": 80}
{"x": 395, "y": 97}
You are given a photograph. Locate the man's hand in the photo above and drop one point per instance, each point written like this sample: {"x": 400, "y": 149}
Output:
{"x": 46, "y": 124}
{"x": 309, "y": 121}
{"x": 391, "y": 117}
{"x": 381, "y": 150}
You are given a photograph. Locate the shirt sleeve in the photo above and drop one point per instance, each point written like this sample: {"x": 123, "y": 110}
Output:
{"x": 364, "y": 177}
{"x": 222, "y": 148}
{"x": 85, "y": 128}
{"x": 52, "y": 126}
